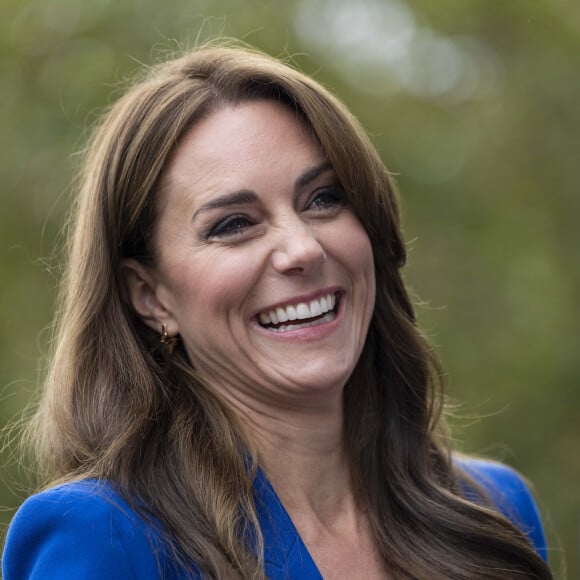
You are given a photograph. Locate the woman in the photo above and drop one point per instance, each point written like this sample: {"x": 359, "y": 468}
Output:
{"x": 239, "y": 388}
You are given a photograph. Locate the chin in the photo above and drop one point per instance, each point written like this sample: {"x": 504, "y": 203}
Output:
{"x": 327, "y": 379}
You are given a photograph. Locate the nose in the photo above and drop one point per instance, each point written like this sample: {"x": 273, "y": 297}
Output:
{"x": 297, "y": 250}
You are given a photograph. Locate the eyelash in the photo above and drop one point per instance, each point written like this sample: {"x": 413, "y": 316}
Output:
{"x": 231, "y": 226}
{"x": 326, "y": 201}
{"x": 335, "y": 199}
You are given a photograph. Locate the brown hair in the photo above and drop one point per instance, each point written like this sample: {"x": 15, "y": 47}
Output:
{"x": 118, "y": 408}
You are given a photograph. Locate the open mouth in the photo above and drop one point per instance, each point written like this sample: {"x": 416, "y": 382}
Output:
{"x": 301, "y": 315}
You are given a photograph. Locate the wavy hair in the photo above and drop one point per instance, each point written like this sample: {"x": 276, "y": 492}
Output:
{"x": 116, "y": 407}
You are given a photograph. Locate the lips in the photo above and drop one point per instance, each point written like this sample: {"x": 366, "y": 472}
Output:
{"x": 300, "y": 315}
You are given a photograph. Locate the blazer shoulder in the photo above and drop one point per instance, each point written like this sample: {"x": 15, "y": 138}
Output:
{"x": 81, "y": 530}
{"x": 510, "y": 494}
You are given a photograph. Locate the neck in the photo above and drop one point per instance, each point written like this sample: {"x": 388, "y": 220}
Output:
{"x": 302, "y": 452}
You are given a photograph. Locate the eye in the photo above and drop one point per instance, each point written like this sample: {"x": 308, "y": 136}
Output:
{"x": 328, "y": 200}
{"x": 231, "y": 226}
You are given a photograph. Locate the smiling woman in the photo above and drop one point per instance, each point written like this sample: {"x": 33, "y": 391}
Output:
{"x": 261, "y": 247}
{"x": 239, "y": 388}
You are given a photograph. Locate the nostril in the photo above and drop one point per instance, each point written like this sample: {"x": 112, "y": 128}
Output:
{"x": 298, "y": 253}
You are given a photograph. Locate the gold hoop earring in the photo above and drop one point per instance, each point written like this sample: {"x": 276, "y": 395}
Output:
{"x": 167, "y": 342}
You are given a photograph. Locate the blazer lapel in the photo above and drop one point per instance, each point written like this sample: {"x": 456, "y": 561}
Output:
{"x": 285, "y": 555}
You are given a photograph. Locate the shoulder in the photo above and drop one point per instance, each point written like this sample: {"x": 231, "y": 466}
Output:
{"x": 81, "y": 530}
{"x": 509, "y": 493}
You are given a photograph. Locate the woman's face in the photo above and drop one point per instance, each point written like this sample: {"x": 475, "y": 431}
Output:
{"x": 261, "y": 267}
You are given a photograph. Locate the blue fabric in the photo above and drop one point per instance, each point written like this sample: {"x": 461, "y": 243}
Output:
{"x": 82, "y": 531}
{"x": 85, "y": 530}
{"x": 511, "y": 496}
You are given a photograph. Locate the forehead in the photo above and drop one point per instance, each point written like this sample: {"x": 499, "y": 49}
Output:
{"x": 246, "y": 141}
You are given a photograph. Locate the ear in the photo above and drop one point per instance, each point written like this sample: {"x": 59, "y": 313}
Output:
{"x": 141, "y": 288}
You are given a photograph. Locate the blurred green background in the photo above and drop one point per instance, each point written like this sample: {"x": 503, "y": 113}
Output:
{"x": 475, "y": 106}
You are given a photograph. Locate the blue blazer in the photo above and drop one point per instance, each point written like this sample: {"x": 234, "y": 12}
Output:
{"x": 85, "y": 530}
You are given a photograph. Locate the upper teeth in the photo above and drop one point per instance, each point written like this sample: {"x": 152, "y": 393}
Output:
{"x": 299, "y": 311}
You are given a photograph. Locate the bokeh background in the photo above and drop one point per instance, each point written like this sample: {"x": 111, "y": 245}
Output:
{"x": 475, "y": 107}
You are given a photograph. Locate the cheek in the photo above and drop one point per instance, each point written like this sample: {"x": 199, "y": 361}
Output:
{"x": 358, "y": 255}
{"x": 215, "y": 283}
{"x": 354, "y": 245}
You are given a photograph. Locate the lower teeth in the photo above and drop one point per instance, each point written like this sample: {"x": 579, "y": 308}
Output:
{"x": 286, "y": 327}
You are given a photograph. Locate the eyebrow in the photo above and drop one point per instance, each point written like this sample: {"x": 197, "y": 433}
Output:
{"x": 311, "y": 175}
{"x": 246, "y": 196}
